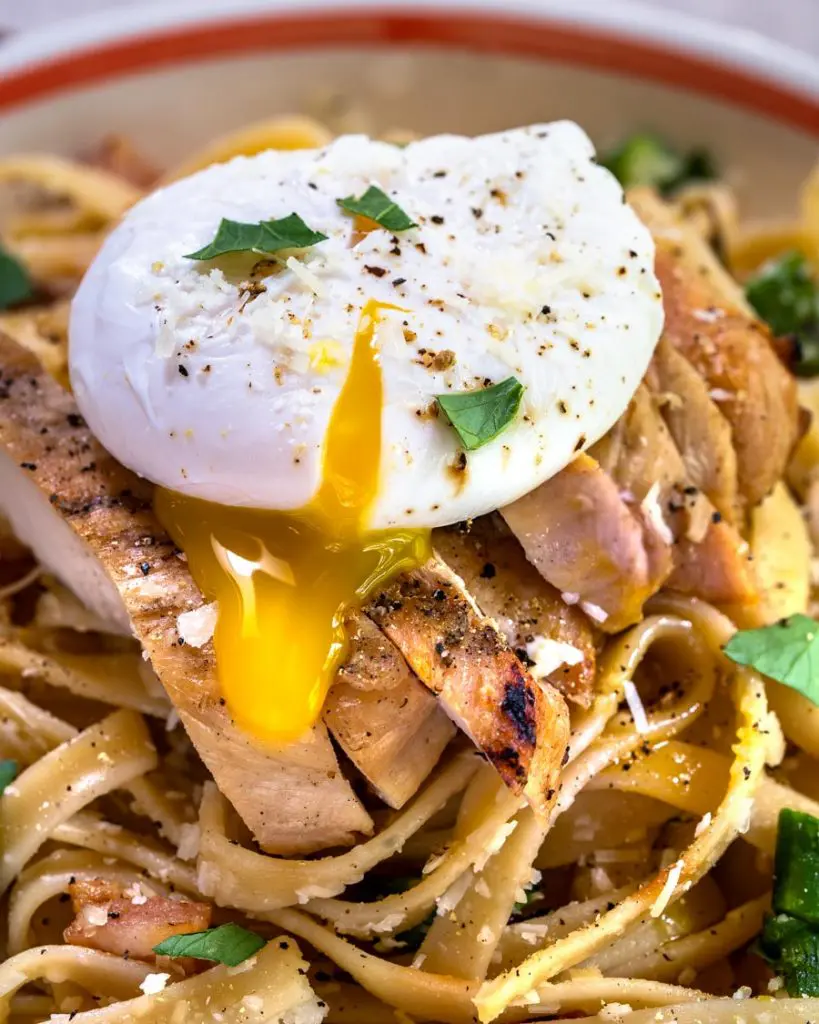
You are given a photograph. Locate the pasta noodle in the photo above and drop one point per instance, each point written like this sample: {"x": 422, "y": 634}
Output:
{"x": 462, "y": 903}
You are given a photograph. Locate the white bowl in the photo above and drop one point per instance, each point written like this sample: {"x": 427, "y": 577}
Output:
{"x": 172, "y": 77}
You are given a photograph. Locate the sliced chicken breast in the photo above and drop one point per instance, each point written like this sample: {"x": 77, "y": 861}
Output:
{"x": 521, "y": 726}
{"x": 708, "y": 320}
{"x": 578, "y": 531}
{"x": 91, "y": 523}
{"x": 383, "y": 718}
{"x": 128, "y": 923}
{"x": 556, "y": 641}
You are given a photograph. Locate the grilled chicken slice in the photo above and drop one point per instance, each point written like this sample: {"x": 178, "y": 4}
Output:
{"x": 129, "y": 923}
{"x": 639, "y": 452}
{"x": 528, "y": 611}
{"x": 578, "y": 531}
{"x": 700, "y": 431}
{"x": 710, "y": 558}
{"x": 91, "y": 524}
{"x": 520, "y": 725}
{"x": 709, "y": 322}
{"x": 383, "y": 718}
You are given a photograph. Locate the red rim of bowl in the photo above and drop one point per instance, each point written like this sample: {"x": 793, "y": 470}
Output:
{"x": 538, "y": 37}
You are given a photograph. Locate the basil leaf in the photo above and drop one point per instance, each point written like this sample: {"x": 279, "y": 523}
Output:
{"x": 479, "y": 416}
{"x": 647, "y": 159}
{"x": 785, "y": 294}
{"x": 15, "y": 284}
{"x": 267, "y": 236}
{"x": 8, "y": 773}
{"x": 229, "y": 944}
{"x": 791, "y": 947}
{"x": 787, "y": 651}
{"x": 378, "y": 206}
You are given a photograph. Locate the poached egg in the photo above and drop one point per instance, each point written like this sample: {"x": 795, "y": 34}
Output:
{"x": 286, "y": 404}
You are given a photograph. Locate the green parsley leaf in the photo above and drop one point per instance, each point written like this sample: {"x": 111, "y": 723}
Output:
{"x": 786, "y": 295}
{"x": 787, "y": 651}
{"x": 267, "y": 236}
{"x": 479, "y": 416}
{"x": 796, "y": 869}
{"x": 15, "y": 284}
{"x": 378, "y": 206}
{"x": 791, "y": 947}
{"x": 229, "y": 944}
{"x": 647, "y": 159}
{"x": 8, "y": 773}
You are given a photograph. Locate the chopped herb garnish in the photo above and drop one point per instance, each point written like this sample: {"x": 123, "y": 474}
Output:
{"x": 479, "y": 416}
{"x": 265, "y": 237}
{"x": 786, "y": 295}
{"x": 791, "y": 947}
{"x": 377, "y": 205}
{"x": 8, "y": 773}
{"x": 787, "y": 651}
{"x": 647, "y": 159}
{"x": 796, "y": 869}
{"x": 15, "y": 284}
{"x": 229, "y": 944}
{"x": 790, "y": 939}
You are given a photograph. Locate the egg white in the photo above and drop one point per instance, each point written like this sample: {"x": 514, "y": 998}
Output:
{"x": 526, "y": 261}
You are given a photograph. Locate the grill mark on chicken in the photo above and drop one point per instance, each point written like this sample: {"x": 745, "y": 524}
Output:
{"x": 521, "y": 726}
{"x": 519, "y": 705}
{"x": 510, "y": 591}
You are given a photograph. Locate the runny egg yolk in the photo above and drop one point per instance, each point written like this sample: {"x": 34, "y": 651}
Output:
{"x": 284, "y": 581}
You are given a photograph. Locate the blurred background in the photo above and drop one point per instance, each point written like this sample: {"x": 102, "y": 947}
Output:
{"x": 792, "y": 21}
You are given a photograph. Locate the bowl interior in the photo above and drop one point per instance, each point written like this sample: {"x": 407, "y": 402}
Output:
{"x": 438, "y": 86}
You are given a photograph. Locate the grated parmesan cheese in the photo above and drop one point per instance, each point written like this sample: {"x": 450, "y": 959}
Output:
{"x": 450, "y": 899}
{"x": 196, "y": 627}
{"x": 390, "y": 923}
{"x": 594, "y": 611}
{"x": 307, "y": 277}
{"x": 707, "y": 316}
{"x": 650, "y": 507}
{"x": 494, "y": 845}
{"x": 189, "y": 836}
{"x": 314, "y": 892}
{"x": 96, "y": 916}
{"x": 135, "y": 894}
{"x": 667, "y": 891}
{"x": 635, "y": 706}
{"x": 548, "y": 655}
{"x": 154, "y": 983}
{"x": 703, "y": 824}
{"x": 482, "y": 889}
{"x": 746, "y": 809}
{"x": 613, "y": 1011}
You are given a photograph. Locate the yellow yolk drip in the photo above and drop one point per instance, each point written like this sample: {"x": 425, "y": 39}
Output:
{"x": 284, "y": 580}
